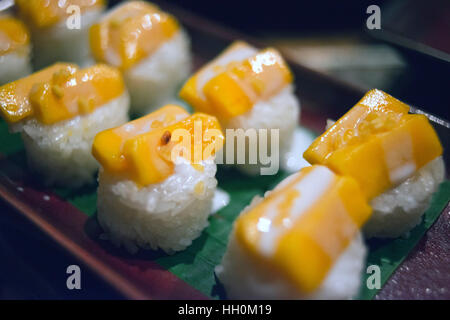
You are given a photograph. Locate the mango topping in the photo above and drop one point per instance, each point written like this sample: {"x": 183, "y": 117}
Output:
{"x": 377, "y": 143}
{"x": 60, "y": 92}
{"x": 13, "y": 35}
{"x": 232, "y": 83}
{"x": 14, "y": 97}
{"x": 147, "y": 153}
{"x": 303, "y": 226}
{"x": 45, "y": 13}
{"x": 130, "y": 33}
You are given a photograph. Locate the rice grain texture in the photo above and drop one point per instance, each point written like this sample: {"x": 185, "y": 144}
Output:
{"x": 398, "y": 210}
{"x": 166, "y": 215}
{"x": 281, "y": 112}
{"x": 61, "y": 152}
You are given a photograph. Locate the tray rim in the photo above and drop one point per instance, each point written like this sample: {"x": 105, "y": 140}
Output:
{"x": 83, "y": 248}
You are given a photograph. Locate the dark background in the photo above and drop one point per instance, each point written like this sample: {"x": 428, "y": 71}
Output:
{"x": 284, "y": 16}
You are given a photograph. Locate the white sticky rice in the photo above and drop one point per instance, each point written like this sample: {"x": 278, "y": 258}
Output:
{"x": 398, "y": 210}
{"x": 166, "y": 215}
{"x": 245, "y": 278}
{"x": 15, "y": 65}
{"x": 61, "y": 152}
{"x": 281, "y": 112}
{"x": 58, "y": 43}
{"x": 154, "y": 81}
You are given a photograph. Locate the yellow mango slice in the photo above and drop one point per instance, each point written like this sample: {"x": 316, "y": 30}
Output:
{"x": 377, "y": 143}
{"x": 130, "y": 33}
{"x": 144, "y": 150}
{"x": 192, "y": 90}
{"x": 75, "y": 92}
{"x": 304, "y": 225}
{"x": 60, "y": 92}
{"x": 238, "y": 78}
{"x": 227, "y": 97}
{"x": 108, "y": 145}
{"x": 14, "y": 97}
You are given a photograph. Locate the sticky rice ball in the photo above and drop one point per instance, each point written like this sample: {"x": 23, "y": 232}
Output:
{"x": 250, "y": 90}
{"x": 58, "y": 120}
{"x": 149, "y": 46}
{"x": 166, "y": 215}
{"x": 150, "y": 195}
{"x": 14, "y": 49}
{"x": 301, "y": 241}
{"x": 400, "y": 209}
{"x": 395, "y": 156}
{"x": 56, "y": 34}
{"x": 62, "y": 152}
{"x": 254, "y": 281}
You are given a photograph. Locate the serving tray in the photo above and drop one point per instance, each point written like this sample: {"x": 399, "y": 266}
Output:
{"x": 413, "y": 267}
